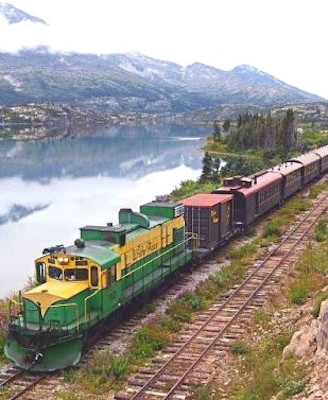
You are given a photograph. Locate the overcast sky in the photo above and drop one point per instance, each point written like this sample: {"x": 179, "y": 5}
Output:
{"x": 285, "y": 38}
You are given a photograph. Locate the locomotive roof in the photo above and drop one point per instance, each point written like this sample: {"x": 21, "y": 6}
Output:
{"x": 102, "y": 255}
{"x": 286, "y": 167}
{"x": 262, "y": 181}
{"x": 206, "y": 199}
{"x": 306, "y": 159}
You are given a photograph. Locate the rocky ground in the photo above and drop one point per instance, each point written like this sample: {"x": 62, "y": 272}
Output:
{"x": 310, "y": 345}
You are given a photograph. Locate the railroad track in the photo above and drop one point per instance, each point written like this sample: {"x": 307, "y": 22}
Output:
{"x": 17, "y": 382}
{"x": 224, "y": 321}
{"x": 114, "y": 339}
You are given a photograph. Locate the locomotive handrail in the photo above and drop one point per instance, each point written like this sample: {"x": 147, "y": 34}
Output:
{"x": 159, "y": 256}
{"x": 85, "y": 304}
{"x": 69, "y": 305}
{"x": 194, "y": 237}
{"x": 17, "y": 303}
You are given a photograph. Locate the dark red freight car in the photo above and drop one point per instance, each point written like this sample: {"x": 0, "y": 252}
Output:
{"x": 322, "y": 152}
{"x": 253, "y": 196}
{"x": 311, "y": 164}
{"x": 209, "y": 216}
{"x": 291, "y": 173}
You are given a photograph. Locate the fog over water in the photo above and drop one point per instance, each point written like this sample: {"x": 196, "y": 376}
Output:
{"x": 50, "y": 189}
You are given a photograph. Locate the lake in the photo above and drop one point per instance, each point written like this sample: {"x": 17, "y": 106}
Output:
{"x": 49, "y": 189}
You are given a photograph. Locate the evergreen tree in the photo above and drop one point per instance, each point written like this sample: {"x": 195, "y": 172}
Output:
{"x": 256, "y": 131}
{"x": 216, "y": 165}
{"x": 226, "y": 125}
{"x": 217, "y": 130}
{"x": 207, "y": 168}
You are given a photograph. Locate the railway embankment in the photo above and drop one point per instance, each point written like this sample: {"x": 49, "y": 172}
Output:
{"x": 252, "y": 362}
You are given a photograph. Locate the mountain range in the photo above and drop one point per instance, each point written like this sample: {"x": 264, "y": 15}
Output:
{"x": 131, "y": 82}
{"x": 134, "y": 82}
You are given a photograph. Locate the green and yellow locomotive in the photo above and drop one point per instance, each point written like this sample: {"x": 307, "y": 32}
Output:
{"x": 83, "y": 285}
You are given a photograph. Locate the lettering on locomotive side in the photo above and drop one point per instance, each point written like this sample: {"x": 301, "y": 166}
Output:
{"x": 144, "y": 249}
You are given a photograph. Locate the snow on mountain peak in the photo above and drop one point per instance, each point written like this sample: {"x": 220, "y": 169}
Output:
{"x": 14, "y": 15}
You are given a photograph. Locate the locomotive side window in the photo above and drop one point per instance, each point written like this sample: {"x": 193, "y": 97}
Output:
{"x": 111, "y": 275}
{"x": 76, "y": 274}
{"x": 94, "y": 276}
{"x": 40, "y": 272}
{"x": 55, "y": 273}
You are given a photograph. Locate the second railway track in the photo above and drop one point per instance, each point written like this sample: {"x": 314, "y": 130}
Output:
{"x": 214, "y": 328}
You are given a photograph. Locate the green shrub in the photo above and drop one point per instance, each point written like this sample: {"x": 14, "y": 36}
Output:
{"x": 239, "y": 348}
{"x": 243, "y": 251}
{"x": 68, "y": 375}
{"x": 190, "y": 187}
{"x": 120, "y": 366}
{"x": 298, "y": 293}
{"x": 317, "y": 303}
{"x": 271, "y": 228}
{"x": 61, "y": 395}
{"x": 291, "y": 388}
{"x": 202, "y": 393}
{"x": 195, "y": 301}
{"x": 180, "y": 311}
{"x": 148, "y": 340}
{"x": 105, "y": 371}
{"x": 321, "y": 231}
{"x": 262, "y": 318}
{"x": 223, "y": 277}
{"x": 317, "y": 189}
{"x": 170, "y": 324}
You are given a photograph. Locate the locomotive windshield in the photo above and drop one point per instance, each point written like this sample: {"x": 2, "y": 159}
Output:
{"x": 55, "y": 272}
{"x": 76, "y": 274}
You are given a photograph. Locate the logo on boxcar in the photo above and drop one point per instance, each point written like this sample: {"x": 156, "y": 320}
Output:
{"x": 215, "y": 217}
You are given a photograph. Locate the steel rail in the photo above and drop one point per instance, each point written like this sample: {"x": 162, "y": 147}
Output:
{"x": 232, "y": 296}
{"x": 11, "y": 378}
{"x": 29, "y": 387}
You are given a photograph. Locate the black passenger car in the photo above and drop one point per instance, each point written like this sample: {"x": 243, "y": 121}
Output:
{"x": 322, "y": 152}
{"x": 291, "y": 173}
{"x": 311, "y": 166}
{"x": 253, "y": 196}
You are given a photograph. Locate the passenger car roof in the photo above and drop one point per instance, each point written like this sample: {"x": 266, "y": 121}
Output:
{"x": 306, "y": 159}
{"x": 321, "y": 151}
{"x": 286, "y": 167}
{"x": 257, "y": 183}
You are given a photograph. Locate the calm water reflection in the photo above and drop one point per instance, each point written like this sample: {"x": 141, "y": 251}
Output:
{"x": 49, "y": 189}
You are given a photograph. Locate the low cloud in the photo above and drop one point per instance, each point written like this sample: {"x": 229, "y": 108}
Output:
{"x": 25, "y": 34}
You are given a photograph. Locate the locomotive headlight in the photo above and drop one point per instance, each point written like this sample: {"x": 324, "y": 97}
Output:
{"x": 63, "y": 260}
